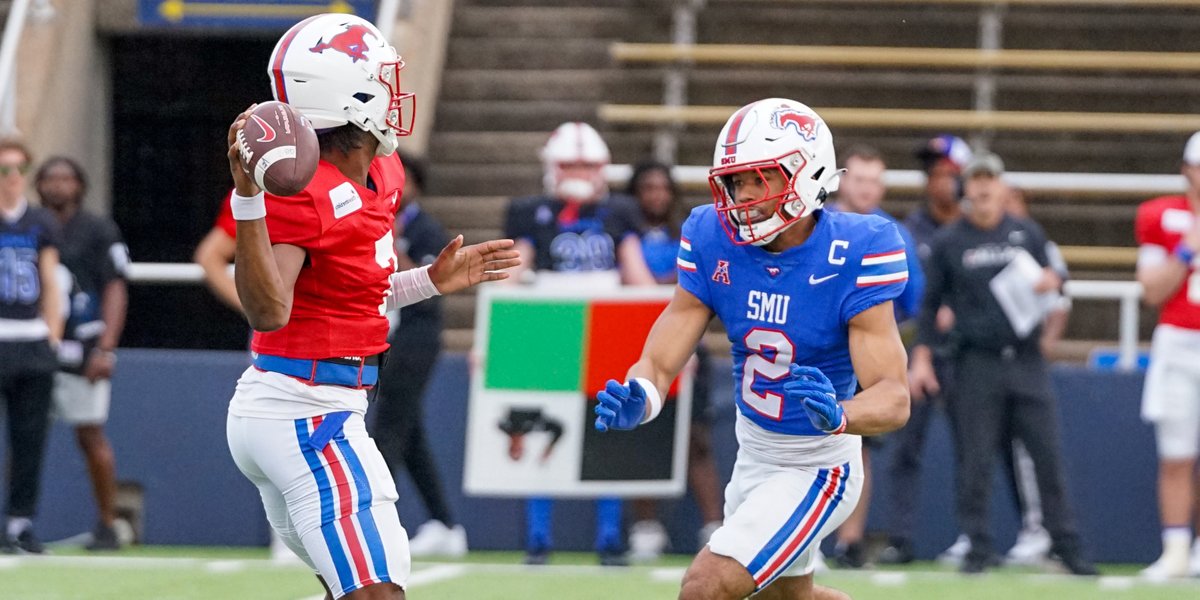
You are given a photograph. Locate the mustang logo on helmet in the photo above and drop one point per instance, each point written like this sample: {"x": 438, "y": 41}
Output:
{"x": 804, "y": 124}
{"x": 351, "y": 42}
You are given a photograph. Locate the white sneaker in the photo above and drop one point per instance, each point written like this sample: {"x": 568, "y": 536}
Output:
{"x": 707, "y": 532}
{"x": 647, "y": 541}
{"x": 1031, "y": 547}
{"x": 1168, "y": 566}
{"x": 433, "y": 538}
{"x": 1194, "y": 564}
{"x": 957, "y": 551}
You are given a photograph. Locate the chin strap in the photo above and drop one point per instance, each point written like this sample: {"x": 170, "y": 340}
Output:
{"x": 387, "y": 141}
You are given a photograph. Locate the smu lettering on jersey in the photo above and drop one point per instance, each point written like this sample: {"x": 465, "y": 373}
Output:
{"x": 791, "y": 307}
{"x": 346, "y": 231}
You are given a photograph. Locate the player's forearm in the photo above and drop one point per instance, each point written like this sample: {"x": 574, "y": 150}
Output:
{"x": 51, "y": 299}
{"x": 265, "y": 300}
{"x": 1160, "y": 282}
{"x": 881, "y": 408}
{"x": 113, "y": 306}
{"x": 658, "y": 375}
{"x": 216, "y": 275}
{"x": 213, "y": 255}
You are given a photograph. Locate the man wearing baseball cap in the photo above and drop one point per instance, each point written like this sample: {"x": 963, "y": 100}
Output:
{"x": 1168, "y": 236}
{"x": 999, "y": 381}
{"x": 942, "y": 158}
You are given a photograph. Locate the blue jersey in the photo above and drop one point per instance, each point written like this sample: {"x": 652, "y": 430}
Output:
{"x": 791, "y": 307}
{"x": 660, "y": 250}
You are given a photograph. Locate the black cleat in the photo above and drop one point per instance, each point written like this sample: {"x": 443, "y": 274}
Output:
{"x": 976, "y": 564}
{"x": 1077, "y": 564}
{"x": 898, "y": 552}
{"x": 850, "y": 556}
{"x": 104, "y": 538}
{"x": 537, "y": 557}
{"x": 613, "y": 558}
{"x": 29, "y": 543}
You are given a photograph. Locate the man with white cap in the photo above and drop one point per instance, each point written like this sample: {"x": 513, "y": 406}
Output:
{"x": 1168, "y": 235}
{"x": 576, "y": 233}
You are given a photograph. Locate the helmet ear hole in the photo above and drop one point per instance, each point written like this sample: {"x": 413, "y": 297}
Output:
{"x": 363, "y": 97}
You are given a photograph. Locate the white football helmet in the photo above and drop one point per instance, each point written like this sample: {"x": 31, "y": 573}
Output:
{"x": 337, "y": 69}
{"x": 575, "y": 143}
{"x": 772, "y": 134}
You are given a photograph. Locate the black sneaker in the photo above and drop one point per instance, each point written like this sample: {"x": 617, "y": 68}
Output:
{"x": 104, "y": 538}
{"x": 1076, "y": 563}
{"x": 850, "y": 556}
{"x": 613, "y": 558}
{"x": 898, "y": 552}
{"x": 29, "y": 543}
{"x": 537, "y": 557}
{"x": 975, "y": 564}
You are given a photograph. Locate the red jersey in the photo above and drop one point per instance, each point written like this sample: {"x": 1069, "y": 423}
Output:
{"x": 225, "y": 218}
{"x": 346, "y": 230}
{"x": 1163, "y": 222}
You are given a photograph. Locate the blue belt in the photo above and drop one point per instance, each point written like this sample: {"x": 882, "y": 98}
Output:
{"x": 348, "y": 372}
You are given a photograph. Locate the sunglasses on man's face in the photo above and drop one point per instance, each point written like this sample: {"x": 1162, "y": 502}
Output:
{"x": 6, "y": 170}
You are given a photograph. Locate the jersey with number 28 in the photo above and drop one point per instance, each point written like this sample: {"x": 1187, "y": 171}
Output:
{"x": 345, "y": 230}
{"x": 791, "y": 307}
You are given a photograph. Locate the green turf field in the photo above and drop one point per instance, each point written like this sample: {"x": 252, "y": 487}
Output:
{"x": 206, "y": 573}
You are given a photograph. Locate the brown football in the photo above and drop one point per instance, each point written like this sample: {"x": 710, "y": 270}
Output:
{"x": 279, "y": 148}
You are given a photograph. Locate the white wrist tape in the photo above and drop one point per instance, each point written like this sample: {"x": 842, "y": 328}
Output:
{"x": 248, "y": 209}
{"x": 653, "y": 399}
{"x": 410, "y": 287}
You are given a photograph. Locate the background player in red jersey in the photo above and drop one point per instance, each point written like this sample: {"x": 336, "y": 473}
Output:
{"x": 1168, "y": 235}
{"x": 316, "y": 272}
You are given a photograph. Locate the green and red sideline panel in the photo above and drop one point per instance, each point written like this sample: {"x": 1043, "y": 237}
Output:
{"x": 541, "y": 354}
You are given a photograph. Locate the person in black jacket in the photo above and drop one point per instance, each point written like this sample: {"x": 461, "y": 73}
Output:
{"x": 416, "y": 343}
{"x": 1000, "y": 378}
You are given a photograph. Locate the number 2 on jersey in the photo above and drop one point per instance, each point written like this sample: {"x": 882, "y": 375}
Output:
{"x": 385, "y": 256}
{"x": 771, "y": 359}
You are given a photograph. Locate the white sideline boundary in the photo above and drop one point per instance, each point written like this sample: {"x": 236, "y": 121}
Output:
{"x": 427, "y": 573}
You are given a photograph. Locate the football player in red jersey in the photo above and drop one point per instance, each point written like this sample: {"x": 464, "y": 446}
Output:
{"x": 316, "y": 272}
{"x": 1168, "y": 235}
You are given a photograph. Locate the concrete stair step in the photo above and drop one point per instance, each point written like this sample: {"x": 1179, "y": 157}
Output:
{"x": 1123, "y": 28}
{"x": 604, "y": 84}
{"x": 467, "y": 212}
{"x": 512, "y": 115}
{"x": 935, "y": 24}
{"x": 508, "y": 179}
{"x": 527, "y": 53}
{"x": 508, "y": 146}
{"x": 573, "y": 21}
{"x": 626, "y": 4}
{"x": 918, "y": 88}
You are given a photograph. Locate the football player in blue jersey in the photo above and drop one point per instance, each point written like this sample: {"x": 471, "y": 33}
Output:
{"x": 806, "y": 298}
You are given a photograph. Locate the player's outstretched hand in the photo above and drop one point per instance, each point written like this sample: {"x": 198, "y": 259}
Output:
{"x": 459, "y": 267}
{"x": 810, "y": 386}
{"x": 242, "y": 181}
{"x": 621, "y": 406}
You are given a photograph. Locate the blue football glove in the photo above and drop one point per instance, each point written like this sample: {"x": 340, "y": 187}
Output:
{"x": 620, "y": 406}
{"x": 810, "y": 386}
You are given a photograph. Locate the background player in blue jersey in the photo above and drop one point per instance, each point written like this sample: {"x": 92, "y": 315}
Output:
{"x": 31, "y": 325}
{"x": 805, "y": 296}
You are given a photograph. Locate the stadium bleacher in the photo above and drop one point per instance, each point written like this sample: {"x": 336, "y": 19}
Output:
{"x": 1063, "y": 100}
